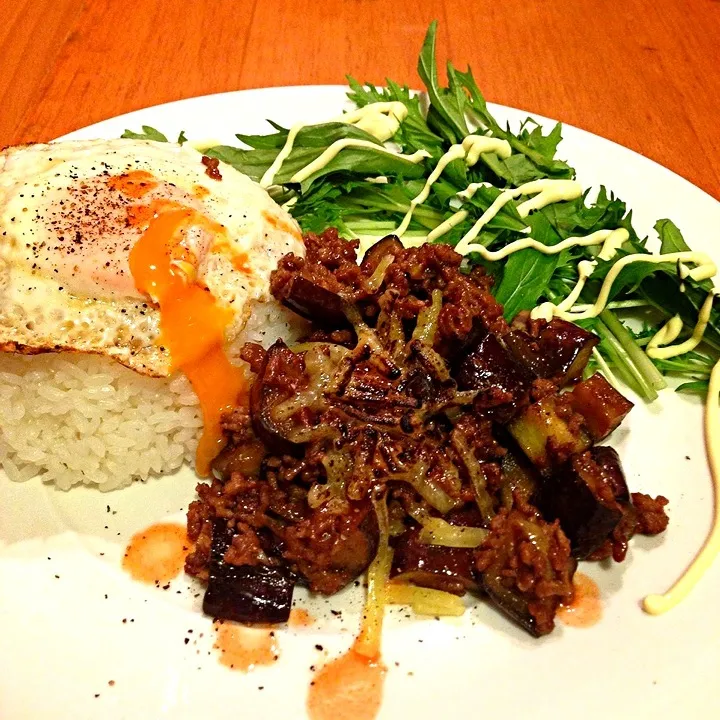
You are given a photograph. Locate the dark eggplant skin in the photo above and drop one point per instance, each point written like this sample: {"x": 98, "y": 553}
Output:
{"x": 246, "y": 459}
{"x": 433, "y": 566}
{"x": 389, "y": 245}
{"x": 560, "y": 351}
{"x": 245, "y": 593}
{"x": 315, "y": 303}
{"x": 587, "y": 497}
{"x": 518, "y": 478}
{"x": 512, "y": 604}
{"x": 261, "y": 400}
{"x": 500, "y": 557}
{"x": 503, "y": 383}
{"x": 600, "y": 404}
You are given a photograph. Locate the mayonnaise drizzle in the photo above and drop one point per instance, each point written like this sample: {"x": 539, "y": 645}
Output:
{"x": 705, "y": 268}
{"x": 469, "y": 150}
{"x": 659, "y": 604}
{"x": 585, "y": 270}
{"x": 596, "y": 238}
{"x": 381, "y": 120}
{"x": 328, "y": 154}
{"x": 672, "y": 329}
{"x": 546, "y": 192}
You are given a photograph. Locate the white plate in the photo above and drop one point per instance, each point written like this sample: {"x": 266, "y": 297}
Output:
{"x": 71, "y": 620}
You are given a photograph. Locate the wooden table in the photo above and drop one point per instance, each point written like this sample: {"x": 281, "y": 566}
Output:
{"x": 642, "y": 72}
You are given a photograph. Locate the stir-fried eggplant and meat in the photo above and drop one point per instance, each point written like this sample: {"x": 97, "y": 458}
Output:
{"x": 413, "y": 391}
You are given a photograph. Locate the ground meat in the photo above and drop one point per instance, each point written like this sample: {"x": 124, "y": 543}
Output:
{"x": 254, "y": 355}
{"x": 541, "y": 388}
{"x": 200, "y": 531}
{"x": 330, "y": 262}
{"x": 394, "y": 397}
{"x": 330, "y": 549}
{"x": 212, "y": 167}
{"x": 526, "y": 566}
{"x": 245, "y": 547}
{"x": 644, "y": 515}
{"x": 651, "y": 516}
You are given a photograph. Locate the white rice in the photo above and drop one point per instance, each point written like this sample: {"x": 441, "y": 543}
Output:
{"x": 73, "y": 418}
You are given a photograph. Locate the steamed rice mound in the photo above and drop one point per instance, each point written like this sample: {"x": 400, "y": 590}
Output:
{"x": 75, "y": 419}
{"x": 83, "y": 419}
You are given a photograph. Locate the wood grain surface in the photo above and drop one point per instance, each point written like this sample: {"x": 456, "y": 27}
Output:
{"x": 641, "y": 72}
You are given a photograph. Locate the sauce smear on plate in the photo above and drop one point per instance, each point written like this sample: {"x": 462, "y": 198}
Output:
{"x": 244, "y": 648}
{"x": 586, "y": 608}
{"x": 347, "y": 688}
{"x": 300, "y": 618}
{"x": 157, "y": 554}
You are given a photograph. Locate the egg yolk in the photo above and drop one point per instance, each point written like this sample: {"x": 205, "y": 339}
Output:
{"x": 192, "y": 324}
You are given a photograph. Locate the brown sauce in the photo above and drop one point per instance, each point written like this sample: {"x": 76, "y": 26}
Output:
{"x": 586, "y": 607}
{"x": 347, "y": 688}
{"x": 244, "y": 648}
{"x": 157, "y": 554}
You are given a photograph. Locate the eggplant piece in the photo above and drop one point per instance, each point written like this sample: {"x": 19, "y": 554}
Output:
{"x": 389, "y": 245}
{"x": 518, "y": 479}
{"x": 600, "y": 404}
{"x": 315, "y": 303}
{"x": 509, "y": 602}
{"x": 588, "y": 496}
{"x": 560, "y": 352}
{"x": 567, "y": 348}
{"x": 245, "y": 593}
{"x": 433, "y": 566}
{"x": 330, "y": 551}
{"x": 503, "y": 384}
{"x": 263, "y": 396}
{"x": 246, "y": 459}
{"x": 546, "y": 436}
{"x": 526, "y": 568}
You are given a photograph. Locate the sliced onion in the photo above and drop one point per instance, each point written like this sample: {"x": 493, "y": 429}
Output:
{"x": 436, "y": 531}
{"x": 321, "y": 362}
{"x": 476, "y": 474}
{"x": 425, "y": 601}
{"x": 368, "y": 642}
{"x": 431, "y": 493}
{"x": 417, "y": 476}
{"x": 427, "y": 321}
{"x": 376, "y": 279}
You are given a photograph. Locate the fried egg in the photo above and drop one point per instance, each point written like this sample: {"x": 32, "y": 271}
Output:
{"x": 148, "y": 253}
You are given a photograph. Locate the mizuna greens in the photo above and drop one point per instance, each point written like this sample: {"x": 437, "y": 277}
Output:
{"x": 366, "y": 192}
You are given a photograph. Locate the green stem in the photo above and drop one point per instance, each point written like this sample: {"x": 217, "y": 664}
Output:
{"x": 641, "y": 361}
{"x": 623, "y": 364}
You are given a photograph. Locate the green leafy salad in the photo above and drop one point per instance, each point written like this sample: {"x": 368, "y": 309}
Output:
{"x": 420, "y": 174}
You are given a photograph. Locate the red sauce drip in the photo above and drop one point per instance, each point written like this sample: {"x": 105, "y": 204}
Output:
{"x": 243, "y": 648}
{"x": 134, "y": 184}
{"x": 281, "y": 224}
{"x": 300, "y": 618}
{"x": 157, "y": 554}
{"x": 347, "y": 688}
{"x": 586, "y": 607}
